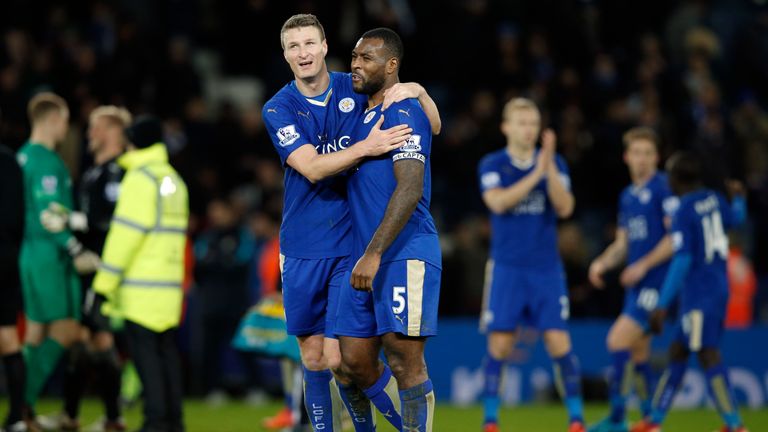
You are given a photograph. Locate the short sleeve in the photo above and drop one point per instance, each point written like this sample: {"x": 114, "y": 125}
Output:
{"x": 669, "y": 201}
{"x": 683, "y": 230}
{"x": 410, "y": 113}
{"x": 283, "y": 128}
{"x": 489, "y": 175}
{"x": 564, "y": 172}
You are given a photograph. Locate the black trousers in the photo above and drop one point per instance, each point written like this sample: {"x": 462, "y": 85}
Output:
{"x": 157, "y": 362}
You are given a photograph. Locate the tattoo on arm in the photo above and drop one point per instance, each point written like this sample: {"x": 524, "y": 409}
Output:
{"x": 402, "y": 203}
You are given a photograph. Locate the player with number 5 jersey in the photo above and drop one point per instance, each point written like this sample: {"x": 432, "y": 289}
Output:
{"x": 310, "y": 122}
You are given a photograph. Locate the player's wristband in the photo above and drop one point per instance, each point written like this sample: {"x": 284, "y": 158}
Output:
{"x": 74, "y": 247}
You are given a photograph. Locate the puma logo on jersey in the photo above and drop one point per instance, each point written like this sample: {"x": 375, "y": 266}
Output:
{"x": 406, "y": 112}
{"x": 271, "y": 110}
{"x": 302, "y": 113}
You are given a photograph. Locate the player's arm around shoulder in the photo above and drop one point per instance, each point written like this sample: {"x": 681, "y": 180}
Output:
{"x": 295, "y": 147}
{"x": 316, "y": 167}
{"x": 403, "y": 91}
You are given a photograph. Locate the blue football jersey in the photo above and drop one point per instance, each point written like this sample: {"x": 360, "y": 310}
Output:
{"x": 316, "y": 221}
{"x": 371, "y": 185}
{"x": 642, "y": 210}
{"x": 525, "y": 235}
{"x": 699, "y": 230}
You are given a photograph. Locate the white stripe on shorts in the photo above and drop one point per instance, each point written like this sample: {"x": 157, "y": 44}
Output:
{"x": 696, "y": 318}
{"x": 485, "y": 311}
{"x": 415, "y": 281}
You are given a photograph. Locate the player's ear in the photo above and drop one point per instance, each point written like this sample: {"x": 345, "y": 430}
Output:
{"x": 392, "y": 65}
{"x": 504, "y": 127}
{"x": 325, "y": 47}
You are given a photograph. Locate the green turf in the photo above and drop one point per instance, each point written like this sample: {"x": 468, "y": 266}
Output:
{"x": 237, "y": 417}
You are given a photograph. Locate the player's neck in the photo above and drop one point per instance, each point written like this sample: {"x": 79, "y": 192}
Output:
{"x": 378, "y": 97}
{"x": 642, "y": 179}
{"x": 316, "y": 85}
{"x": 43, "y": 138}
{"x": 106, "y": 154}
{"x": 520, "y": 152}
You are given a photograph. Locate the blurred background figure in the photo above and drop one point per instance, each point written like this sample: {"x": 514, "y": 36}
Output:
{"x": 224, "y": 249}
{"x": 142, "y": 270}
{"x": 95, "y": 349}
{"x": 11, "y": 231}
{"x": 49, "y": 261}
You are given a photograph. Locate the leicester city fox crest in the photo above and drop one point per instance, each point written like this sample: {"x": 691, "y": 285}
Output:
{"x": 346, "y": 105}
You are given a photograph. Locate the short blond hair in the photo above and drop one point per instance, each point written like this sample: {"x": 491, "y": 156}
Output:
{"x": 518, "y": 104}
{"x": 116, "y": 115}
{"x": 641, "y": 133}
{"x": 301, "y": 20}
{"x": 43, "y": 104}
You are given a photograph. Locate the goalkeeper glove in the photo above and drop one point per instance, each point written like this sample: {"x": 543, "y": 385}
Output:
{"x": 85, "y": 261}
{"x": 56, "y": 218}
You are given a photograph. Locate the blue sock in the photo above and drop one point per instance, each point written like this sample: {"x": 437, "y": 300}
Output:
{"x": 643, "y": 386}
{"x": 620, "y": 385}
{"x": 358, "y": 406}
{"x": 492, "y": 370}
{"x": 568, "y": 379}
{"x": 317, "y": 398}
{"x": 666, "y": 390}
{"x": 418, "y": 407}
{"x": 722, "y": 394}
{"x": 382, "y": 393}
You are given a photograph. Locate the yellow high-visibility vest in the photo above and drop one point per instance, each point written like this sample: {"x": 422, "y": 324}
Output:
{"x": 143, "y": 259}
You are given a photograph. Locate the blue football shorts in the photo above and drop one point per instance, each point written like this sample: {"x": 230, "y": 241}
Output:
{"x": 311, "y": 293}
{"x": 701, "y": 326}
{"x": 515, "y": 296}
{"x": 404, "y": 300}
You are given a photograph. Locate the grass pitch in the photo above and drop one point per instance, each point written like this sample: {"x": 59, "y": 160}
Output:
{"x": 239, "y": 417}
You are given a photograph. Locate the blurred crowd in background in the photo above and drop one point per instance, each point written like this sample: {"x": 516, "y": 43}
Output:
{"x": 695, "y": 71}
